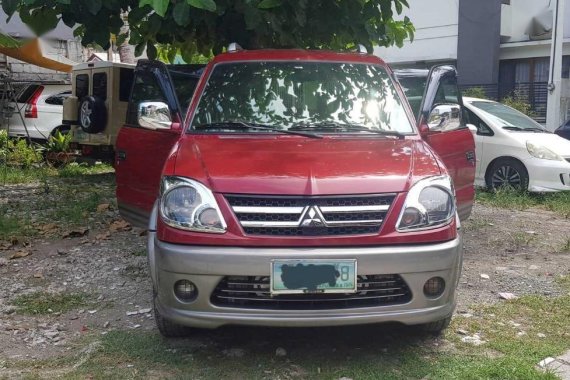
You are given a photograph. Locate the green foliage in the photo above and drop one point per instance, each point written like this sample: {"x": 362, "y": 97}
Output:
{"x": 519, "y": 102}
{"x": 475, "y": 92}
{"x": 17, "y": 152}
{"x": 207, "y": 26}
{"x": 59, "y": 142}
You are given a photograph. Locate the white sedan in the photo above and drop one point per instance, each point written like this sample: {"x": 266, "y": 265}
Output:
{"x": 514, "y": 150}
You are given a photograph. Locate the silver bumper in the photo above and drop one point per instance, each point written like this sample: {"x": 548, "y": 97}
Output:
{"x": 206, "y": 266}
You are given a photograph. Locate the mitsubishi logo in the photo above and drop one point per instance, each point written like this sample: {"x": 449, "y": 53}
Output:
{"x": 312, "y": 218}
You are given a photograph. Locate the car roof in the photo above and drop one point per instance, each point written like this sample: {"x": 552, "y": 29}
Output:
{"x": 296, "y": 54}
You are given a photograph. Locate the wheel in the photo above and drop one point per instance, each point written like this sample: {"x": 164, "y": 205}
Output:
{"x": 167, "y": 328}
{"x": 436, "y": 327}
{"x": 507, "y": 173}
{"x": 63, "y": 129}
{"x": 92, "y": 115}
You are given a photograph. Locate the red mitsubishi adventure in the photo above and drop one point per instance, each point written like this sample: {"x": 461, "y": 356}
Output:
{"x": 298, "y": 190}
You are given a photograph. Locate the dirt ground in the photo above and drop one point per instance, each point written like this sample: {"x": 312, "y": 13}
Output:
{"x": 519, "y": 252}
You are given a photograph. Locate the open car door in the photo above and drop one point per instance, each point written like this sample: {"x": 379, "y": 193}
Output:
{"x": 442, "y": 125}
{"x": 157, "y": 106}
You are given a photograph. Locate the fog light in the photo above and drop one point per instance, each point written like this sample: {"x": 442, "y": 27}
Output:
{"x": 434, "y": 287}
{"x": 185, "y": 290}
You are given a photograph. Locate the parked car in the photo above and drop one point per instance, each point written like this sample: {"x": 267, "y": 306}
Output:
{"x": 514, "y": 150}
{"x": 298, "y": 191}
{"x": 564, "y": 130}
{"x": 101, "y": 92}
{"x": 38, "y": 111}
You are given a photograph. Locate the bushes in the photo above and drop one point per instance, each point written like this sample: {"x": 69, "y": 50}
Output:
{"x": 475, "y": 92}
{"x": 17, "y": 152}
{"x": 519, "y": 102}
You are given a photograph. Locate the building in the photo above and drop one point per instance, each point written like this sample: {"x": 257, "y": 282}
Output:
{"x": 500, "y": 45}
{"x": 60, "y": 42}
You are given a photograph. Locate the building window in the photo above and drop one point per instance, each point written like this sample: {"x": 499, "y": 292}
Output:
{"x": 566, "y": 66}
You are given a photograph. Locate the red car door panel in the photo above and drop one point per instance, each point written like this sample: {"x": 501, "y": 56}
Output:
{"x": 456, "y": 147}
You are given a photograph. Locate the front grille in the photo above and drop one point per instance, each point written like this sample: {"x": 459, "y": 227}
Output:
{"x": 310, "y": 216}
{"x": 252, "y": 292}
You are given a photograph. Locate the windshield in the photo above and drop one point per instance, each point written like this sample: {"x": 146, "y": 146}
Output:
{"x": 505, "y": 116}
{"x": 285, "y": 95}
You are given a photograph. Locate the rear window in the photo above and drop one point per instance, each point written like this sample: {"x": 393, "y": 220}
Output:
{"x": 126, "y": 77}
{"x": 27, "y": 93}
{"x": 82, "y": 85}
{"x": 100, "y": 86}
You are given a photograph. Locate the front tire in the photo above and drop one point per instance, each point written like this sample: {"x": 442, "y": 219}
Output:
{"x": 437, "y": 327}
{"x": 166, "y": 327}
{"x": 507, "y": 172}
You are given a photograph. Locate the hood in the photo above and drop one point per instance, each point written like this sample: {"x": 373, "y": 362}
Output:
{"x": 291, "y": 165}
{"x": 555, "y": 143}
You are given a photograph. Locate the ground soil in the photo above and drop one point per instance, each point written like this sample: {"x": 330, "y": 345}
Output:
{"x": 519, "y": 252}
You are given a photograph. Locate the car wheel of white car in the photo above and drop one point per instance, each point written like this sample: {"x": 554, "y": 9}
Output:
{"x": 507, "y": 173}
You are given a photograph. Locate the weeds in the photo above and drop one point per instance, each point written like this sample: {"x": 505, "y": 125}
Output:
{"x": 47, "y": 303}
{"x": 520, "y": 200}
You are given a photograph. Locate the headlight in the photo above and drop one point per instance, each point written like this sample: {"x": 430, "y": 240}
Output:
{"x": 542, "y": 152}
{"x": 430, "y": 203}
{"x": 189, "y": 205}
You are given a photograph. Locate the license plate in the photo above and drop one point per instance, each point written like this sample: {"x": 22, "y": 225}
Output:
{"x": 313, "y": 276}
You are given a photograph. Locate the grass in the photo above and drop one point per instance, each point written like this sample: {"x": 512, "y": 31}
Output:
{"x": 360, "y": 352}
{"x": 520, "y": 200}
{"x": 41, "y": 303}
{"x": 67, "y": 197}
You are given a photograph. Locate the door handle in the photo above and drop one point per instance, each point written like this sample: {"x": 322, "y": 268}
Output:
{"x": 470, "y": 155}
{"x": 121, "y": 155}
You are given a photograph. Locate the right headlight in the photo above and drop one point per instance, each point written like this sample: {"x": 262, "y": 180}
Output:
{"x": 187, "y": 204}
{"x": 430, "y": 203}
{"x": 542, "y": 152}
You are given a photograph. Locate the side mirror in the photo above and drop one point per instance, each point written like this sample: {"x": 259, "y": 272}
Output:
{"x": 154, "y": 115}
{"x": 472, "y": 128}
{"x": 444, "y": 117}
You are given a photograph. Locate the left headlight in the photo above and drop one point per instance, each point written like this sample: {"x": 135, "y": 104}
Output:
{"x": 187, "y": 204}
{"x": 430, "y": 203}
{"x": 542, "y": 152}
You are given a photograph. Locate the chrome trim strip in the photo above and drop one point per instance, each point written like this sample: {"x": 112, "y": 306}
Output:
{"x": 339, "y": 209}
{"x": 269, "y": 224}
{"x": 267, "y": 210}
{"x": 353, "y": 222}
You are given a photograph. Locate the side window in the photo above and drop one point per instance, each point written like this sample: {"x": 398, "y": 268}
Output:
{"x": 81, "y": 86}
{"x": 57, "y": 99}
{"x": 482, "y": 128}
{"x": 448, "y": 92}
{"x": 148, "y": 106}
{"x": 100, "y": 86}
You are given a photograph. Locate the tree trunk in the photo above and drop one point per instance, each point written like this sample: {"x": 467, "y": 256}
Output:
{"x": 126, "y": 50}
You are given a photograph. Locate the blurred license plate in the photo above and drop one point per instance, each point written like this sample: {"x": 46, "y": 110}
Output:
{"x": 313, "y": 276}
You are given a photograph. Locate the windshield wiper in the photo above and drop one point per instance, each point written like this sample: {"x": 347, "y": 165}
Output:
{"x": 519, "y": 129}
{"x": 242, "y": 125}
{"x": 340, "y": 127}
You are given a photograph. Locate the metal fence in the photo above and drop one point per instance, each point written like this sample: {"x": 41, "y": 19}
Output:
{"x": 533, "y": 93}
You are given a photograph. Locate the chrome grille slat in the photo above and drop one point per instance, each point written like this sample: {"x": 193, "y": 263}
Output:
{"x": 253, "y": 292}
{"x": 310, "y": 216}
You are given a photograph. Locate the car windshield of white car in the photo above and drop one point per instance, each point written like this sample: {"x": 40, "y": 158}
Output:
{"x": 508, "y": 118}
{"x": 317, "y": 97}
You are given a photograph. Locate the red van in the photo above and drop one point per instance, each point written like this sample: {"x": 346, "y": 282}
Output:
{"x": 298, "y": 190}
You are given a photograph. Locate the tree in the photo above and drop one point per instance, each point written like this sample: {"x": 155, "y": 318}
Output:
{"x": 206, "y": 26}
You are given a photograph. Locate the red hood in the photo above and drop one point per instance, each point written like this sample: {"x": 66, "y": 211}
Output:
{"x": 291, "y": 165}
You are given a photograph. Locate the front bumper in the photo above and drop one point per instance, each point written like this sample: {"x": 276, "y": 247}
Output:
{"x": 547, "y": 175}
{"x": 206, "y": 266}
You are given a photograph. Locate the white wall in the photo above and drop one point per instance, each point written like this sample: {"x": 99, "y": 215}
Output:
{"x": 436, "y": 33}
{"x": 522, "y": 12}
